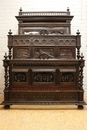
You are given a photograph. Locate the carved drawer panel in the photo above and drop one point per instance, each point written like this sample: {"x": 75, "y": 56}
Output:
{"x": 68, "y": 96}
{"x": 43, "y": 96}
{"x": 55, "y": 96}
{"x": 18, "y": 96}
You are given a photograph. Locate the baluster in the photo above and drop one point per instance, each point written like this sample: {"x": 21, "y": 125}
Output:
{"x": 78, "y": 44}
{"x": 10, "y": 43}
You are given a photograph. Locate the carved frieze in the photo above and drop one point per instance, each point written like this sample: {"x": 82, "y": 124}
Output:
{"x": 44, "y": 88}
{"x": 43, "y": 63}
{"x": 21, "y": 41}
{"x": 43, "y": 96}
{"x": 31, "y": 30}
{"x": 54, "y": 39}
{"x": 67, "y": 42}
{"x": 68, "y": 96}
{"x": 18, "y": 96}
{"x": 44, "y": 41}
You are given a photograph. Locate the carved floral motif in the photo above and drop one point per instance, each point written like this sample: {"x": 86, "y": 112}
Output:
{"x": 19, "y": 77}
{"x": 67, "y": 77}
{"x": 44, "y": 77}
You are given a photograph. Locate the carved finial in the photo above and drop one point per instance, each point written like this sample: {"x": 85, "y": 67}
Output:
{"x": 10, "y": 32}
{"x": 82, "y": 56}
{"x": 77, "y": 32}
{"x": 20, "y": 9}
{"x": 5, "y": 56}
{"x": 67, "y": 9}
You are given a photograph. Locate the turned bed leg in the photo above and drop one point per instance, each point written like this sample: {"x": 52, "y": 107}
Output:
{"x": 80, "y": 106}
{"x": 7, "y": 106}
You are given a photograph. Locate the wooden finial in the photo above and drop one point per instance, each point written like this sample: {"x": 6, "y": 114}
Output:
{"x": 20, "y": 9}
{"x": 67, "y": 9}
{"x": 77, "y": 32}
{"x": 5, "y": 56}
{"x": 10, "y": 32}
{"x": 82, "y": 56}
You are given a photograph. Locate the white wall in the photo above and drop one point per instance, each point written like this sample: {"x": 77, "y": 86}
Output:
{"x": 9, "y": 9}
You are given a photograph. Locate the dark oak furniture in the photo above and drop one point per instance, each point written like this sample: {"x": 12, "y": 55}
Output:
{"x": 44, "y": 64}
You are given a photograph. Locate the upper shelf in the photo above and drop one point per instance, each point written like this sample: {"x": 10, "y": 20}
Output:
{"x": 49, "y": 16}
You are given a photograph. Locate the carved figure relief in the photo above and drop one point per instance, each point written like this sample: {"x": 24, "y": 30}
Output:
{"x": 44, "y": 54}
{"x": 67, "y": 77}
{"x": 19, "y": 77}
{"x": 23, "y": 53}
{"x": 43, "y": 77}
{"x": 64, "y": 52}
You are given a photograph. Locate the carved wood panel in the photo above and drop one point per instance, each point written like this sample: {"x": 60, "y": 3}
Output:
{"x": 66, "y": 52}
{"x": 44, "y": 30}
{"x": 44, "y": 53}
{"x": 21, "y": 52}
{"x": 19, "y": 77}
{"x": 43, "y": 77}
{"x": 67, "y": 77}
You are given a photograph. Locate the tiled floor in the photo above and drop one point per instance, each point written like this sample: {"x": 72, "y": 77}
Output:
{"x": 43, "y": 117}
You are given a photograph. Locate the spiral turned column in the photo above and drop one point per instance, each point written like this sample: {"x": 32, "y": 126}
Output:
{"x": 6, "y": 76}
